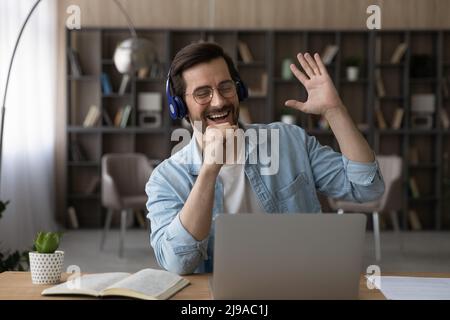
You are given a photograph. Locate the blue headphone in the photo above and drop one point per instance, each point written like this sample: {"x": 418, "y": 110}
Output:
{"x": 177, "y": 107}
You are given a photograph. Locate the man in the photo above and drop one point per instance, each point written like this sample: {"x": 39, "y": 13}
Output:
{"x": 185, "y": 193}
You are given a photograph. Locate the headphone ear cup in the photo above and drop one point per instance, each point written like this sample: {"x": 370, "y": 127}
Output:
{"x": 242, "y": 90}
{"x": 180, "y": 106}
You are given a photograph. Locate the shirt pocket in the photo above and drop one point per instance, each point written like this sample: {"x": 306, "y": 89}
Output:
{"x": 298, "y": 196}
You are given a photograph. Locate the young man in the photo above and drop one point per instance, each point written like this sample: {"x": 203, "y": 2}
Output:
{"x": 185, "y": 193}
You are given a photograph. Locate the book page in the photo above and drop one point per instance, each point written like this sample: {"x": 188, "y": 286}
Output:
{"x": 91, "y": 284}
{"x": 156, "y": 284}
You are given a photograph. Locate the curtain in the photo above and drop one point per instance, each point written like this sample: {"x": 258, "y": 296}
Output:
{"x": 27, "y": 179}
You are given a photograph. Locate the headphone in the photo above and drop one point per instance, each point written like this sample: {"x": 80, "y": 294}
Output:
{"x": 177, "y": 107}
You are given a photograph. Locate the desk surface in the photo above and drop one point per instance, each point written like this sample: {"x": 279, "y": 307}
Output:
{"x": 18, "y": 286}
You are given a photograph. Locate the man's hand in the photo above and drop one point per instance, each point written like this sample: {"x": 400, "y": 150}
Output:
{"x": 322, "y": 95}
{"x": 214, "y": 145}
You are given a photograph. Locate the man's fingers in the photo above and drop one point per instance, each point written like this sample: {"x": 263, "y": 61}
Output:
{"x": 294, "y": 104}
{"x": 298, "y": 74}
{"x": 322, "y": 68}
{"x": 305, "y": 65}
{"x": 312, "y": 64}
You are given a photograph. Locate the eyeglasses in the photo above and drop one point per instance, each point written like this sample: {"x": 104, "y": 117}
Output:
{"x": 204, "y": 95}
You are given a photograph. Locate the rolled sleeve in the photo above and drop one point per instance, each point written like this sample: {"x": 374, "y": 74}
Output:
{"x": 182, "y": 241}
{"x": 360, "y": 173}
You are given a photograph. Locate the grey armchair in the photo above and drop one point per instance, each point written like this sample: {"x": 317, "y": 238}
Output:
{"x": 391, "y": 201}
{"x": 124, "y": 177}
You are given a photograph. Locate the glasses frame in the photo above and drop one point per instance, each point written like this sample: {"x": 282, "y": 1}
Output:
{"x": 212, "y": 89}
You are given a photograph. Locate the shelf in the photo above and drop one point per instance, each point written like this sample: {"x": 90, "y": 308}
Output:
{"x": 391, "y": 98}
{"x": 84, "y": 196}
{"x": 83, "y": 163}
{"x": 78, "y": 129}
{"x": 358, "y": 81}
{"x": 423, "y": 131}
{"x": 83, "y": 78}
{"x": 423, "y": 166}
{"x": 253, "y": 64}
{"x": 427, "y": 198}
{"x": 389, "y": 65}
{"x": 391, "y": 131}
{"x": 116, "y": 95}
{"x": 151, "y": 80}
{"x": 269, "y": 48}
{"x": 422, "y": 80}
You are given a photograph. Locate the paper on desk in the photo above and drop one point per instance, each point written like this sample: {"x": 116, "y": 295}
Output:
{"x": 415, "y": 288}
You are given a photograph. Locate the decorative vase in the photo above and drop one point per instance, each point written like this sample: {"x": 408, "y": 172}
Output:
{"x": 352, "y": 73}
{"x": 286, "y": 73}
{"x": 46, "y": 268}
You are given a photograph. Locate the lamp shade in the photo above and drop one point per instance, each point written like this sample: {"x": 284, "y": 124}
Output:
{"x": 133, "y": 54}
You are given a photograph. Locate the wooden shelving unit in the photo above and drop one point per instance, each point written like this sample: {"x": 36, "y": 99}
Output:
{"x": 269, "y": 49}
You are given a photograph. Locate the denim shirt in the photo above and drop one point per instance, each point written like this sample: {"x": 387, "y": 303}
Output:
{"x": 304, "y": 167}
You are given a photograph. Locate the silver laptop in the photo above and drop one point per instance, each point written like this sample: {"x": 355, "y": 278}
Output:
{"x": 288, "y": 256}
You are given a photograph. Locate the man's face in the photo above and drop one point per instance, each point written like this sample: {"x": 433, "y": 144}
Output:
{"x": 213, "y": 74}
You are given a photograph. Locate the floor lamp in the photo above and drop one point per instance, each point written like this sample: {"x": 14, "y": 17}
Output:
{"x": 130, "y": 55}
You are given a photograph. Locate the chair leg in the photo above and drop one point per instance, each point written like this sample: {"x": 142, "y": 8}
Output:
{"x": 376, "y": 234}
{"x": 123, "y": 226}
{"x": 109, "y": 215}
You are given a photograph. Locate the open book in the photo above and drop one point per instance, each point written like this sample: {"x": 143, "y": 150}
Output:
{"x": 148, "y": 284}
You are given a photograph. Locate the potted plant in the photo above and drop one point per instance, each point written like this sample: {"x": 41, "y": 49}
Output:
{"x": 46, "y": 262}
{"x": 352, "y": 65}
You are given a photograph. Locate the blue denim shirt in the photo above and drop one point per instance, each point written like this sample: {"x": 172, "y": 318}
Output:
{"x": 305, "y": 167}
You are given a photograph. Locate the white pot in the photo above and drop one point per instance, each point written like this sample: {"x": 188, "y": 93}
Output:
{"x": 352, "y": 73}
{"x": 287, "y": 118}
{"x": 46, "y": 268}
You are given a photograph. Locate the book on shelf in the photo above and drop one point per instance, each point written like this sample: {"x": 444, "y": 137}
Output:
{"x": 414, "y": 220}
{"x": 124, "y": 84}
{"x": 107, "y": 119}
{"x": 329, "y": 53}
{"x": 72, "y": 218}
{"x": 262, "y": 90}
{"x": 399, "y": 53}
{"x": 74, "y": 60}
{"x": 380, "y": 117}
{"x": 125, "y": 116}
{"x": 147, "y": 284}
{"x": 106, "y": 84}
{"x": 397, "y": 119}
{"x": 142, "y": 73}
{"x": 93, "y": 185}
{"x": 118, "y": 117}
{"x": 414, "y": 187}
{"x": 244, "y": 52}
{"x": 444, "y": 118}
{"x": 381, "y": 91}
{"x": 92, "y": 116}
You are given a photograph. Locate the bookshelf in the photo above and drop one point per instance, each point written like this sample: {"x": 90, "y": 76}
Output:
{"x": 269, "y": 50}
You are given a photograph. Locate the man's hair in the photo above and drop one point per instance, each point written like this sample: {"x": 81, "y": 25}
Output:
{"x": 192, "y": 55}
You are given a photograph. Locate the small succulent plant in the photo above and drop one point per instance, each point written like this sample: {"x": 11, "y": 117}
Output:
{"x": 47, "y": 242}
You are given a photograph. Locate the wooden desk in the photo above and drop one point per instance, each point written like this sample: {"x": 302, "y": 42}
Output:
{"x": 18, "y": 286}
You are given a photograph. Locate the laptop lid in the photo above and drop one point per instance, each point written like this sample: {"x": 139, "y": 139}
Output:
{"x": 288, "y": 256}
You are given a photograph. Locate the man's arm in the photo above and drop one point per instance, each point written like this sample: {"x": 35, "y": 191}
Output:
{"x": 196, "y": 214}
{"x": 324, "y": 100}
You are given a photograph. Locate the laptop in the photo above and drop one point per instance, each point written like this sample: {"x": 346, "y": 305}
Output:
{"x": 288, "y": 256}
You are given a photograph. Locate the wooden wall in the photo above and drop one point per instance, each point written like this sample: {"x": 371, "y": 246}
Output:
{"x": 276, "y": 14}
